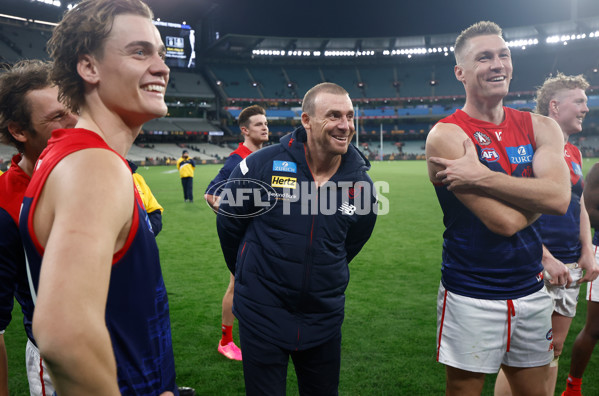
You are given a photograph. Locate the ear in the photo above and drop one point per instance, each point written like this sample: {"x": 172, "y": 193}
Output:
{"x": 306, "y": 121}
{"x": 459, "y": 72}
{"x": 244, "y": 131}
{"x": 17, "y": 133}
{"x": 86, "y": 68}
{"x": 553, "y": 107}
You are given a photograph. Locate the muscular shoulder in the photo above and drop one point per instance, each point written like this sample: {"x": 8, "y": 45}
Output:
{"x": 546, "y": 130}
{"x": 91, "y": 177}
{"x": 445, "y": 140}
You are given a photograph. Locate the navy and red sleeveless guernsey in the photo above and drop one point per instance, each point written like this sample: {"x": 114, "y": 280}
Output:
{"x": 561, "y": 234}
{"x": 13, "y": 276}
{"x": 477, "y": 262}
{"x": 232, "y": 161}
{"x": 137, "y": 313}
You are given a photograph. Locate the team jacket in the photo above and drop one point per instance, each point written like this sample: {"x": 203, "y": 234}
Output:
{"x": 561, "y": 234}
{"x": 477, "y": 262}
{"x": 289, "y": 244}
{"x": 137, "y": 313}
{"x": 232, "y": 161}
{"x": 186, "y": 167}
{"x": 13, "y": 276}
{"x": 153, "y": 208}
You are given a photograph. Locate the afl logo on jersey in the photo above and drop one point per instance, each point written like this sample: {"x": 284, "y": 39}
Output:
{"x": 489, "y": 155}
{"x": 482, "y": 139}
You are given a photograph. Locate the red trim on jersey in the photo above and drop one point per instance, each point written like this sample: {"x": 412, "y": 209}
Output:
{"x": 83, "y": 139}
{"x": 242, "y": 150}
{"x": 13, "y": 184}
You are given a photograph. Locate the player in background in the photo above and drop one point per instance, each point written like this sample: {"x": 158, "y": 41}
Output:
{"x": 153, "y": 208}
{"x": 492, "y": 308}
{"x": 587, "y": 338}
{"x": 567, "y": 245}
{"x": 186, "y": 167}
{"x": 83, "y": 225}
{"x": 29, "y": 111}
{"x": 254, "y": 128}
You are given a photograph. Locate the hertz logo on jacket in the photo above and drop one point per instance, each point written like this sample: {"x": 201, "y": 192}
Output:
{"x": 283, "y": 181}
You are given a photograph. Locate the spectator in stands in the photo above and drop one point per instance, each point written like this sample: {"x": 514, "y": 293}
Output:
{"x": 492, "y": 308}
{"x": 567, "y": 245}
{"x": 186, "y": 168}
{"x": 91, "y": 237}
{"x": 29, "y": 111}
{"x": 254, "y": 128}
{"x": 290, "y": 262}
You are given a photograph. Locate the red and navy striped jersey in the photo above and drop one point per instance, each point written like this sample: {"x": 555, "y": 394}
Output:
{"x": 137, "y": 313}
{"x": 561, "y": 234}
{"x": 477, "y": 262}
{"x": 13, "y": 276}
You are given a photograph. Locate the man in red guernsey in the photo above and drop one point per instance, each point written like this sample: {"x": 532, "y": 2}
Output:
{"x": 567, "y": 245}
{"x": 29, "y": 112}
{"x": 495, "y": 170}
{"x": 254, "y": 128}
{"x": 101, "y": 317}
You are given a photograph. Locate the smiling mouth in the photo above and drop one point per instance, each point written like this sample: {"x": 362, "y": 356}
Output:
{"x": 153, "y": 88}
{"x": 497, "y": 79}
{"x": 340, "y": 138}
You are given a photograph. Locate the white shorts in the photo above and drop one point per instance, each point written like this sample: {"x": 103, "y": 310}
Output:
{"x": 480, "y": 335}
{"x": 593, "y": 287}
{"x": 40, "y": 383}
{"x": 565, "y": 299}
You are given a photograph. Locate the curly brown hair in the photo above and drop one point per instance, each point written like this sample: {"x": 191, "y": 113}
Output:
{"x": 15, "y": 83}
{"x": 553, "y": 85}
{"x": 82, "y": 31}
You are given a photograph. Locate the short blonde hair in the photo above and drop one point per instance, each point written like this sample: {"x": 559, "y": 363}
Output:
{"x": 310, "y": 96}
{"x": 481, "y": 28}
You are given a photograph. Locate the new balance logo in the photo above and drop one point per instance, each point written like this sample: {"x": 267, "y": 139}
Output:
{"x": 347, "y": 209}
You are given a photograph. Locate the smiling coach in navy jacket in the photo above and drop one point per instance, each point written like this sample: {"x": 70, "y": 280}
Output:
{"x": 291, "y": 218}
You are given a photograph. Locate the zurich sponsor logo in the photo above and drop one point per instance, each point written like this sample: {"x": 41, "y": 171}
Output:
{"x": 489, "y": 155}
{"x": 577, "y": 169}
{"x": 520, "y": 155}
{"x": 284, "y": 166}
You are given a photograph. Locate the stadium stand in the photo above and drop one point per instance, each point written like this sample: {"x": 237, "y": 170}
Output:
{"x": 405, "y": 96}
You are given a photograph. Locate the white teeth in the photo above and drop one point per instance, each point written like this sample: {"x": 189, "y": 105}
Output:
{"x": 153, "y": 88}
{"x": 341, "y": 138}
{"x": 498, "y": 79}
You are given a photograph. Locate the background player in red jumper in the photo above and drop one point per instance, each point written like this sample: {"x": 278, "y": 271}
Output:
{"x": 254, "y": 128}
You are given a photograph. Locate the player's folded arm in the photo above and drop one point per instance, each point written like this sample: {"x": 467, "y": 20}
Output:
{"x": 447, "y": 141}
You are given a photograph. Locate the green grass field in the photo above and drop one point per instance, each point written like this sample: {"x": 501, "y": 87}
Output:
{"x": 390, "y": 323}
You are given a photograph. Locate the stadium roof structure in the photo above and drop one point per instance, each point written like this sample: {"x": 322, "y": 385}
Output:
{"x": 243, "y": 29}
{"x": 235, "y": 46}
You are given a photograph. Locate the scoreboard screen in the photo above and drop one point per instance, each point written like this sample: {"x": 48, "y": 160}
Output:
{"x": 180, "y": 44}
